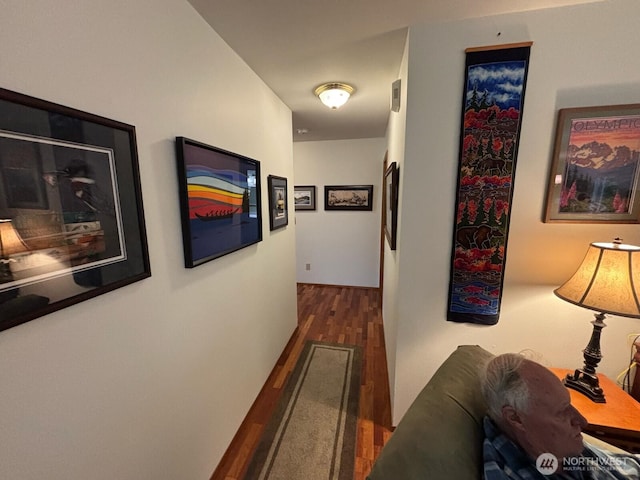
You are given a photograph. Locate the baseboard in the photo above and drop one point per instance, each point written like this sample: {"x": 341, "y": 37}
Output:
{"x": 231, "y": 452}
{"x": 337, "y": 286}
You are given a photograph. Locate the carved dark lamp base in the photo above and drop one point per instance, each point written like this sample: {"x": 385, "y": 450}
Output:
{"x": 585, "y": 380}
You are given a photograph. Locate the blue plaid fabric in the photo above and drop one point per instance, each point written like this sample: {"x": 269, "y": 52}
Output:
{"x": 504, "y": 460}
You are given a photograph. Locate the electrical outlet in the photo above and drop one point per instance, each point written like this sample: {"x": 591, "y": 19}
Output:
{"x": 307, "y": 267}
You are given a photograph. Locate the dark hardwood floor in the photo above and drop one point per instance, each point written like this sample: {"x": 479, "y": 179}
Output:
{"x": 334, "y": 314}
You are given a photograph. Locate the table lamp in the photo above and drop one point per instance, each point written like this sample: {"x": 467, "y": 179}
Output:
{"x": 607, "y": 281}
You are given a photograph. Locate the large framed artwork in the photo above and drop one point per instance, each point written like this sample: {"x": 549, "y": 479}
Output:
{"x": 595, "y": 170}
{"x": 71, "y": 215}
{"x": 493, "y": 99}
{"x": 219, "y": 201}
{"x": 348, "y": 197}
{"x": 278, "y": 204}
{"x": 391, "y": 179}
{"x": 304, "y": 197}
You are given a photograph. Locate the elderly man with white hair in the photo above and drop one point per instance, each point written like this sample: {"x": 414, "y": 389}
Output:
{"x": 533, "y": 432}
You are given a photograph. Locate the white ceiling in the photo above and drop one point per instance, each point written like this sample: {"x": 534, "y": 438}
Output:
{"x": 295, "y": 45}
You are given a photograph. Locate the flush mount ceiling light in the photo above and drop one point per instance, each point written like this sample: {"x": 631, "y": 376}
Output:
{"x": 334, "y": 94}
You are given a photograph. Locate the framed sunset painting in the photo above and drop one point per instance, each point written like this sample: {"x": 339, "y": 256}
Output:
{"x": 595, "y": 171}
{"x": 219, "y": 201}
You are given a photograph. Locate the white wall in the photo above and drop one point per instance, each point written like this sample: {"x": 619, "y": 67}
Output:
{"x": 343, "y": 248}
{"x": 151, "y": 380}
{"x": 581, "y": 56}
{"x": 395, "y": 141}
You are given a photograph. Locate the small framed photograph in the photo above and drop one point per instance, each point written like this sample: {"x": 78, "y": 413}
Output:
{"x": 219, "y": 201}
{"x": 278, "y": 205}
{"x": 348, "y": 197}
{"x": 304, "y": 197}
{"x": 391, "y": 204}
{"x": 595, "y": 170}
{"x": 71, "y": 215}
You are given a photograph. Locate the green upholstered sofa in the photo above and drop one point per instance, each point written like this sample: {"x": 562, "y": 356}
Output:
{"x": 440, "y": 436}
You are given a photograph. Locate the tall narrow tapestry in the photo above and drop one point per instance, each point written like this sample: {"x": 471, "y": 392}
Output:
{"x": 494, "y": 86}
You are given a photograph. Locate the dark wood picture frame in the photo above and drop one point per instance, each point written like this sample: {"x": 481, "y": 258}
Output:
{"x": 391, "y": 183}
{"x": 278, "y": 202}
{"x": 348, "y": 197}
{"x": 595, "y": 172}
{"x": 304, "y": 197}
{"x": 220, "y": 201}
{"x": 71, "y": 215}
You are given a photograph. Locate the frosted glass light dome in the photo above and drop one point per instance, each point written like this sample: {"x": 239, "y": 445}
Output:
{"x": 334, "y": 95}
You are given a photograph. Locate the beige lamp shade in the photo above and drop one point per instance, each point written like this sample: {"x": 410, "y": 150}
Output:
{"x": 608, "y": 280}
{"x": 10, "y": 241}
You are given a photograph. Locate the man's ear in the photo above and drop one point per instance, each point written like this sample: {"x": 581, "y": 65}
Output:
{"x": 512, "y": 418}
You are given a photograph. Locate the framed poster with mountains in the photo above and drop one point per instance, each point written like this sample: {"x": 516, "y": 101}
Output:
{"x": 595, "y": 170}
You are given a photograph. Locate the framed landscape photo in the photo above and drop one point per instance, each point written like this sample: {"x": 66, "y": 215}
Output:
{"x": 219, "y": 201}
{"x": 391, "y": 204}
{"x": 304, "y": 197}
{"x": 71, "y": 215}
{"x": 595, "y": 169}
{"x": 348, "y": 197}
{"x": 278, "y": 205}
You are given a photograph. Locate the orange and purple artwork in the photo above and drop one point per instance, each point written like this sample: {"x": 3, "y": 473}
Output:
{"x": 220, "y": 200}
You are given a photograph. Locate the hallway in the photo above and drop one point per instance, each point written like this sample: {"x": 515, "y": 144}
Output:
{"x": 347, "y": 315}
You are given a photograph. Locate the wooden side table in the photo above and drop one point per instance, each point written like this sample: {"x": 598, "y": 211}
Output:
{"x": 617, "y": 421}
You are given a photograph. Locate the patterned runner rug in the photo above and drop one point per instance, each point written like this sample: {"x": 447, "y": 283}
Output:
{"x": 312, "y": 434}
